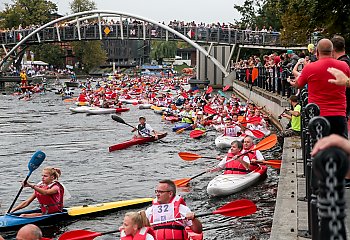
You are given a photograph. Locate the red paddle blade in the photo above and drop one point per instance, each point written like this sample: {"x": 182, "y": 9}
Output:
{"x": 267, "y": 143}
{"x": 209, "y": 110}
{"x": 79, "y": 235}
{"x": 134, "y": 103}
{"x": 184, "y": 95}
{"x": 237, "y": 208}
{"x": 183, "y": 182}
{"x": 196, "y": 133}
{"x": 188, "y": 156}
{"x": 209, "y": 90}
{"x": 255, "y": 74}
{"x": 256, "y": 133}
{"x": 226, "y": 88}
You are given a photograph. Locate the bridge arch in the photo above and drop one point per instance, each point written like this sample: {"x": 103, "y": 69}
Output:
{"x": 97, "y": 13}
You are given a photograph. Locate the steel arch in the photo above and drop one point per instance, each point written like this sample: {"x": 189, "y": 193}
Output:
{"x": 121, "y": 15}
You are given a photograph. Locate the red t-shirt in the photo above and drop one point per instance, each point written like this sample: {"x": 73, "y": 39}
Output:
{"x": 329, "y": 97}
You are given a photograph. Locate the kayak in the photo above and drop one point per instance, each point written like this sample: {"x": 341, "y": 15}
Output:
{"x": 135, "y": 141}
{"x": 186, "y": 126}
{"x": 80, "y": 109}
{"x": 227, "y": 184}
{"x": 13, "y": 220}
{"x": 171, "y": 118}
{"x": 145, "y": 106}
{"x": 129, "y": 101}
{"x": 82, "y": 103}
{"x": 225, "y": 141}
{"x": 98, "y": 110}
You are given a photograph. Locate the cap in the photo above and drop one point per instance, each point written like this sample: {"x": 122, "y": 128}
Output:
{"x": 142, "y": 117}
{"x": 289, "y": 51}
{"x": 310, "y": 47}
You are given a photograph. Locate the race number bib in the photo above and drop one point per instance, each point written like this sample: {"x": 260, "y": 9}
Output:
{"x": 163, "y": 212}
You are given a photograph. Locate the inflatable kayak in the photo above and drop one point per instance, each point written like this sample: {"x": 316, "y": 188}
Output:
{"x": 13, "y": 220}
{"x": 145, "y": 106}
{"x": 186, "y": 126}
{"x": 80, "y": 109}
{"x": 227, "y": 184}
{"x": 135, "y": 141}
{"x": 225, "y": 141}
{"x": 98, "y": 110}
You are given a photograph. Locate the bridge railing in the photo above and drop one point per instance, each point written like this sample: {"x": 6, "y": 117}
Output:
{"x": 273, "y": 79}
{"x": 217, "y": 35}
{"x": 324, "y": 177}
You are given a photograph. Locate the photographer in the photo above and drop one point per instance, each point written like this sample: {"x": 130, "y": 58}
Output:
{"x": 295, "y": 120}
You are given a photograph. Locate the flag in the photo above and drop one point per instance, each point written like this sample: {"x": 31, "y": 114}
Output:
{"x": 19, "y": 36}
{"x": 190, "y": 33}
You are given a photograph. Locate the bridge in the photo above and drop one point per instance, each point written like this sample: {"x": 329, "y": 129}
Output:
{"x": 214, "y": 44}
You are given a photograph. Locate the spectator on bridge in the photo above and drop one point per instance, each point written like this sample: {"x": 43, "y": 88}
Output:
{"x": 330, "y": 99}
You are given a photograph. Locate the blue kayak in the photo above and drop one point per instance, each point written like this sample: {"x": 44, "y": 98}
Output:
{"x": 186, "y": 126}
{"x": 14, "y": 221}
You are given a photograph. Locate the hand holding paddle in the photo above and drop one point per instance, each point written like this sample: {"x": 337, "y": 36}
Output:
{"x": 236, "y": 208}
{"x": 36, "y": 160}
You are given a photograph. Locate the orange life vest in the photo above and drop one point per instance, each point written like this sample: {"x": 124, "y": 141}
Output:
{"x": 234, "y": 166}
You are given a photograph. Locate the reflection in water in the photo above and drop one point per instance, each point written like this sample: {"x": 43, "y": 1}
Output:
{"x": 78, "y": 144}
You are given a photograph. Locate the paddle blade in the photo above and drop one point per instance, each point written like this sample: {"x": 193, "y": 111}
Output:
{"x": 188, "y": 156}
{"x": 197, "y": 133}
{"x": 209, "y": 110}
{"x": 241, "y": 119}
{"x": 255, "y": 74}
{"x": 184, "y": 95}
{"x": 79, "y": 235}
{"x": 255, "y": 133}
{"x": 226, "y": 88}
{"x": 118, "y": 119}
{"x": 267, "y": 143}
{"x": 181, "y": 130}
{"x": 237, "y": 208}
{"x": 273, "y": 163}
{"x": 36, "y": 160}
{"x": 183, "y": 182}
{"x": 209, "y": 90}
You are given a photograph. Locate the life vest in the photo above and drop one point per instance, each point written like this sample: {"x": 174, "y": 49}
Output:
{"x": 50, "y": 203}
{"x": 143, "y": 131}
{"x": 232, "y": 165}
{"x": 187, "y": 117}
{"x": 162, "y": 212}
{"x": 252, "y": 155}
{"x": 231, "y": 131}
{"x": 140, "y": 235}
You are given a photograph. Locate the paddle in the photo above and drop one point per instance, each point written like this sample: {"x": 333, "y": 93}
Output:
{"x": 37, "y": 158}
{"x": 209, "y": 90}
{"x": 255, "y": 133}
{"x": 273, "y": 163}
{"x": 226, "y": 88}
{"x": 264, "y": 144}
{"x": 198, "y": 133}
{"x": 222, "y": 94}
{"x": 209, "y": 110}
{"x": 120, "y": 120}
{"x": 236, "y": 208}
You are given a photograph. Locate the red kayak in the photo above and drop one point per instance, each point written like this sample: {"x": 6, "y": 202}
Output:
{"x": 135, "y": 141}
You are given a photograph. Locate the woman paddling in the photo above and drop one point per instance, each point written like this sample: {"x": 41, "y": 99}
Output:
{"x": 230, "y": 163}
{"x": 49, "y": 193}
{"x": 136, "y": 226}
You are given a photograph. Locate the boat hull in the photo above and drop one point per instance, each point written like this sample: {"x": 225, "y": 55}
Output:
{"x": 97, "y": 111}
{"x": 134, "y": 141}
{"x": 227, "y": 184}
{"x": 225, "y": 141}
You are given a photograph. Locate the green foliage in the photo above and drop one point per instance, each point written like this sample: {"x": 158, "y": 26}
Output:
{"x": 90, "y": 54}
{"x": 50, "y": 53}
{"x": 163, "y": 49}
{"x": 82, "y": 5}
{"x": 27, "y": 12}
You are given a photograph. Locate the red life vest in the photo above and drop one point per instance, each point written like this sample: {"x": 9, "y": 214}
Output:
{"x": 140, "y": 235}
{"x": 50, "y": 203}
{"x": 171, "y": 230}
{"x": 234, "y": 164}
{"x": 252, "y": 155}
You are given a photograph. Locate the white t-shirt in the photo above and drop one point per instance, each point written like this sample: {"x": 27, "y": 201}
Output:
{"x": 182, "y": 209}
{"x": 146, "y": 132}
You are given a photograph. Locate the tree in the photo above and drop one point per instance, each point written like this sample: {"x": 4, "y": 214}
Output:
{"x": 89, "y": 53}
{"x": 27, "y": 12}
{"x": 50, "y": 53}
{"x": 163, "y": 49}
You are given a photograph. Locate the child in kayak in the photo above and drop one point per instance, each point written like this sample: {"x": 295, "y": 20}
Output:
{"x": 136, "y": 226}
{"x": 144, "y": 129}
{"x": 230, "y": 164}
{"x": 49, "y": 193}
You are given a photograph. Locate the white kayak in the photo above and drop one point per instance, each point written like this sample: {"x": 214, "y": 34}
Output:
{"x": 145, "y": 106}
{"x": 129, "y": 101}
{"x": 225, "y": 141}
{"x": 98, "y": 110}
{"x": 227, "y": 184}
{"x": 80, "y": 109}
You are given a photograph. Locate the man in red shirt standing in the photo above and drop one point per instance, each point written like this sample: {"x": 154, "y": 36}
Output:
{"x": 331, "y": 99}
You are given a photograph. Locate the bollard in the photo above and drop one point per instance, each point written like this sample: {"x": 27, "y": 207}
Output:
{"x": 330, "y": 167}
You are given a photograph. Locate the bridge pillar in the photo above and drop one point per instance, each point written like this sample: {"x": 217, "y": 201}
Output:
{"x": 206, "y": 70}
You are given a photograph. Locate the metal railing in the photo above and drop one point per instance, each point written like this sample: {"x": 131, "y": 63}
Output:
{"x": 324, "y": 177}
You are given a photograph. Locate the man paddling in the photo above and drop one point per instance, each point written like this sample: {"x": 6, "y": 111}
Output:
{"x": 144, "y": 129}
{"x": 167, "y": 206}
{"x": 255, "y": 156}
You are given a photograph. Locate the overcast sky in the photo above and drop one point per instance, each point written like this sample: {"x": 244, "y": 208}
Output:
{"x": 165, "y": 10}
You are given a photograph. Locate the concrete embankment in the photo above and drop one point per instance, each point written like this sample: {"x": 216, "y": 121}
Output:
{"x": 291, "y": 214}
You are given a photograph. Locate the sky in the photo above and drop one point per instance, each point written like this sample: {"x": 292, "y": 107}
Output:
{"x": 165, "y": 10}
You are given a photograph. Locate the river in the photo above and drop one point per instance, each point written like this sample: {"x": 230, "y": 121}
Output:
{"x": 78, "y": 144}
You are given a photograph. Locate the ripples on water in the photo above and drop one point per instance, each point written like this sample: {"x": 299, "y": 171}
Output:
{"x": 78, "y": 144}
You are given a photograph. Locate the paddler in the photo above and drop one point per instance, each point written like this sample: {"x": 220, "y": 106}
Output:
{"x": 230, "y": 163}
{"x": 24, "y": 79}
{"x": 144, "y": 129}
{"x": 49, "y": 193}
{"x": 29, "y": 232}
{"x": 136, "y": 226}
{"x": 187, "y": 115}
{"x": 255, "y": 156}
{"x": 168, "y": 206}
